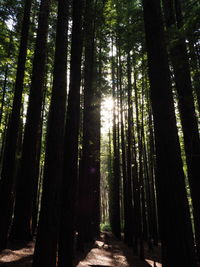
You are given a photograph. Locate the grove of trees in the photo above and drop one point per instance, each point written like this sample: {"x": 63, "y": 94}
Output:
{"x": 99, "y": 126}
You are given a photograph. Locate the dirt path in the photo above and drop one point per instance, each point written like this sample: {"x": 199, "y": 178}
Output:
{"x": 111, "y": 253}
{"x": 114, "y": 254}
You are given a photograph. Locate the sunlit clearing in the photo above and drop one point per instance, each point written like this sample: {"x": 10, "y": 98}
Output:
{"x": 106, "y": 114}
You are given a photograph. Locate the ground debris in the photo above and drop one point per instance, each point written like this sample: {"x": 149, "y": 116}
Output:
{"x": 106, "y": 252}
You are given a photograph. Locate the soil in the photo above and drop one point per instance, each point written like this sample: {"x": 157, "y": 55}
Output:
{"x": 104, "y": 253}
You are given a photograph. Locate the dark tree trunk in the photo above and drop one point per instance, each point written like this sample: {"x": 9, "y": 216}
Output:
{"x": 152, "y": 173}
{"x": 139, "y": 125}
{"x": 175, "y": 224}
{"x": 136, "y": 200}
{"x": 38, "y": 173}
{"x": 121, "y": 116}
{"x": 110, "y": 176}
{"x": 88, "y": 168}
{"x": 69, "y": 205}
{"x": 35, "y": 204}
{"x": 115, "y": 185}
{"x": 21, "y": 228}
{"x": 8, "y": 169}
{"x": 49, "y": 222}
{"x": 135, "y": 181}
{"x": 128, "y": 211}
{"x": 3, "y": 140}
{"x": 138, "y": 183}
{"x": 96, "y": 118}
{"x": 181, "y": 68}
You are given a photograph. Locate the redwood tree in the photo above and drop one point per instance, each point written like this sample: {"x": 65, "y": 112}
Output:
{"x": 180, "y": 64}
{"x": 49, "y": 222}
{"x": 89, "y": 168}
{"x": 8, "y": 169}
{"x": 70, "y": 176}
{"x": 21, "y": 228}
{"x": 177, "y": 242}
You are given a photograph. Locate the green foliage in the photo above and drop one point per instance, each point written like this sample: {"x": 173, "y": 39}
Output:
{"x": 192, "y": 17}
{"x": 105, "y": 227}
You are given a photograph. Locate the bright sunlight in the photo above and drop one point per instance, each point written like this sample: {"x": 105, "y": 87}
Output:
{"x": 106, "y": 114}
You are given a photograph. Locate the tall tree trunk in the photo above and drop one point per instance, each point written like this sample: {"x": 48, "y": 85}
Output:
{"x": 70, "y": 181}
{"x": 21, "y": 228}
{"x": 139, "y": 125}
{"x": 110, "y": 177}
{"x": 175, "y": 224}
{"x": 181, "y": 68}
{"x": 127, "y": 232}
{"x": 8, "y": 169}
{"x": 135, "y": 180}
{"x": 115, "y": 188}
{"x": 128, "y": 211}
{"x": 96, "y": 118}
{"x": 49, "y": 222}
{"x": 138, "y": 183}
{"x": 88, "y": 170}
{"x": 152, "y": 173}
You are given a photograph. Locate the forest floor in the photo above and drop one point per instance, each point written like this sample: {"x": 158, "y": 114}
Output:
{"x": 111, "y": 253}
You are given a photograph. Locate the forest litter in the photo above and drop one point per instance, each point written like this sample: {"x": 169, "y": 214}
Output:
{"x": 102, "y": 254}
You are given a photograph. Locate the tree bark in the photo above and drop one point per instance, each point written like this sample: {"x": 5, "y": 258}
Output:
{"x": 49, "y": 222}
{"x": 180, "y": 63}
{"x": 21, "y": 228}
{"x": 89, "y": 170}
{"x": 70, "y": 181}
{"x": 128, "y": 218}
{"x": 8, "y": 169}
{"x": 177, "y": 242}
{"x": 115, "y": 185}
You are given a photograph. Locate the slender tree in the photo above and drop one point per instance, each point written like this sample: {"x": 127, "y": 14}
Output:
{"x": 8, "y": 169}
{"x": 21, "y": 228}
{"x": 128, "y": 224}
{"x": 115, "y": 182}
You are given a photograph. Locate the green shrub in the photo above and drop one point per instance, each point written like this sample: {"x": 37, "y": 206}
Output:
{"x": 105, "y": 227}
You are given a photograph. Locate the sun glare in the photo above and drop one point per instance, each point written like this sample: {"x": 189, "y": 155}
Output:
{"x": 106, "y": 114}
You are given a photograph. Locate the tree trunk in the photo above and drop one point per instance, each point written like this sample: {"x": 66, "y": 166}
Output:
{"x": 21, "y": 228}
{"x": 49, "y": 222}
{"x": 175, "y": 223}
{"x": 115, "y": 189}
{"x": 70, "y": 182}
{"x": 88, "y": 168}
{"x": 128, "y": 218}
{"x": 152, "y": 173}
{"x": 181, "y": 68}
{"x": 8, "y": 169}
